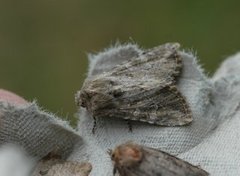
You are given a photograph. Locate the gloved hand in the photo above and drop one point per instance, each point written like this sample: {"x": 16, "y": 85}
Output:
{"x": 210, "y": 141}
{"x": 38, "y": 133}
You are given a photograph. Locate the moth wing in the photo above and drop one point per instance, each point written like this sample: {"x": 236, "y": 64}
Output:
{"x": 145, "y": 161}
{"x": 160, "y": 65}
{"x": 157, "y": 162}
{"x": 163, "y": 106}
{"x": 71, "y": 169}
{"x": 141, "y": 89}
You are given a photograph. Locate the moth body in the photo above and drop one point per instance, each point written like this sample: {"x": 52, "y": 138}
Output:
{"x": 131, "y": 159}
{"x": 142, "y": 88}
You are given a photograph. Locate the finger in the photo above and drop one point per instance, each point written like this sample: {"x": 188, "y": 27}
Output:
{"x": 11, "y": 98}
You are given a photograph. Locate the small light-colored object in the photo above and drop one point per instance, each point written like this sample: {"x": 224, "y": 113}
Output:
{"x": 70, "y": 168}
{"x": 134, "y": 160}
{"x": 54, "y": 165}
{"x": 14, "y": 161}
{"x": 142, "y": 89}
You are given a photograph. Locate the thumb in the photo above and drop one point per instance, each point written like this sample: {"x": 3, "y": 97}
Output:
{"x": 11, "y": 98}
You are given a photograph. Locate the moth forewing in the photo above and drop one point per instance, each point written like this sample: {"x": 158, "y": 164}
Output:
{"x": 142, "y": 89}
{"x": 134, "y": 160}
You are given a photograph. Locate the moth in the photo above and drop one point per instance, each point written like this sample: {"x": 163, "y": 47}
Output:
{"x": 134, "y": 160}
{"x": 70, "y": 168}
{"x": 142, "y": 88}
{"x": 54, "y": 165}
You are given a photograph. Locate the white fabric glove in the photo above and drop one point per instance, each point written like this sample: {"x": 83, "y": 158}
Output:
{"x": 38, "y": 132}
{"x": 219, "y": 152}
{"x": 209, "y": 141}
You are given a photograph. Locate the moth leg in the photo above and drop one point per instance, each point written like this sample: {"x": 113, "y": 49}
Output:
{"x": 130, "y": 129}
{"x": 43, "y": 172}
{"x": 114, "y": 171}
{"x": 94, "y": 125}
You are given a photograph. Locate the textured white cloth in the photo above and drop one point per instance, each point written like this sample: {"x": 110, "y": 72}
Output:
{"x": 38, "y": 132}
{"x": 210, "y": 141}
{"x": 219, "y": 152}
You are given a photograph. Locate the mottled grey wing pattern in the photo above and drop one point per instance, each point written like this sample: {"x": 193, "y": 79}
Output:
{"x": 161, "y": 106}
{"x": 161, "y": 64}
{"x": 141, "y": 89}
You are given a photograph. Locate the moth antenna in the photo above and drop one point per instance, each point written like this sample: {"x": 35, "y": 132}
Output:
{"x": 109, "y": 151}
{"x": 94, "y": 125}
{"x": 114, "y": 171}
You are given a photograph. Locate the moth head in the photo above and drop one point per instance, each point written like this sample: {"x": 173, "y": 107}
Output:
{"x": 98, "y": 93}
{"x": 127, "y": 155}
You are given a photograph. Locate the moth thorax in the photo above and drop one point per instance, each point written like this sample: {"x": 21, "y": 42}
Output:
{"x": 127, "y": 155}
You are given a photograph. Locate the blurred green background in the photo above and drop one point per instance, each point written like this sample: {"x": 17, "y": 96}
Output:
{"x": 43, "y": 44}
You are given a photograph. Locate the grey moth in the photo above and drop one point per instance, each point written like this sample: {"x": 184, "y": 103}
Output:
{"x": 134, "y": 160}
{"x": 142, "y": 88}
